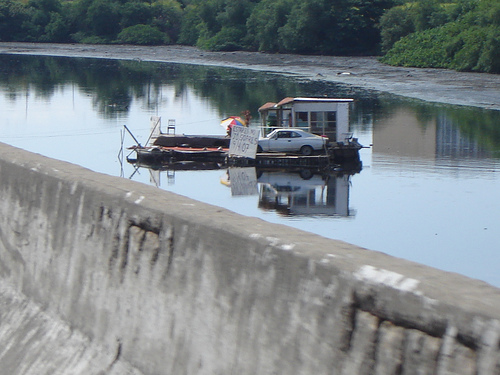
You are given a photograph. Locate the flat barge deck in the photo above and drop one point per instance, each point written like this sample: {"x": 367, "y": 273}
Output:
{"x": 174, "y": 148}
{"x": 171, "y": 155}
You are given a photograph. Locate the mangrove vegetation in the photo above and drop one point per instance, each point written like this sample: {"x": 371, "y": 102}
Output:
{"x": 457, "y": 34}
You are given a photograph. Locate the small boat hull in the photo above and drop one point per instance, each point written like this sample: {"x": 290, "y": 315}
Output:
{"x": 192, "y": 141}
{"x": 161, "y": 154}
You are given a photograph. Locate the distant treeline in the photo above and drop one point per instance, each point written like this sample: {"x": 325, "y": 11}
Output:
{"x": 463, "y": 34}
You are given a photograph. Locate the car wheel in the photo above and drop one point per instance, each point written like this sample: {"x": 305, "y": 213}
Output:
{"x": 306, "y": 174}
{"x": 259, "y": 149}
{"x": 306, "y": 150}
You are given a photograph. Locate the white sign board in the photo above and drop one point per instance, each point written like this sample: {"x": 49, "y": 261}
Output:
{"x": 243, "y": 181}
{"x": 244, "y": 141}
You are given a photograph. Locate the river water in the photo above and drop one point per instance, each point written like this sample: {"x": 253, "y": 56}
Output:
{"x": 428, "y": 189}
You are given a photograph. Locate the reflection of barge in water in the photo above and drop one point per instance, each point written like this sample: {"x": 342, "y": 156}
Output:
{"x": 287, "y": 191}
{"x": 293, "y": 193}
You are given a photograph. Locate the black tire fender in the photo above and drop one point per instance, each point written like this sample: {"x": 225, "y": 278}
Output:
{"x": 306, "y": 150}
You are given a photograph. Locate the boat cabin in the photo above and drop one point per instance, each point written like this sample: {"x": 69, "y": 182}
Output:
{"x": 322, "y": 116}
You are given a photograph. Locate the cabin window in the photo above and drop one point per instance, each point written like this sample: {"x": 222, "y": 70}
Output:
{"x": 272, "y": 119}
{"x": 323, "y": 122}
{"x": 327, "y": 120}
{"x": 331, "y": 120}
{"x": 302, "y": 119}
{"x": 317, "y": 120}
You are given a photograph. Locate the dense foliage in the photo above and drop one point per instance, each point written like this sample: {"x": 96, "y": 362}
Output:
{"x": 90, "y": 21}
{"x": 463, "y": 36}
{"x": 457, "y": 34}
{"x": 308, "y": 26}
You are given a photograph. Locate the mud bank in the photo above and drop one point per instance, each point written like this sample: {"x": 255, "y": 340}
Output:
{"x": 433, "y": 85}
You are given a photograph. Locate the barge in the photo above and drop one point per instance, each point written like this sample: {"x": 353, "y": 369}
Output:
{"x": 326, "y": 117}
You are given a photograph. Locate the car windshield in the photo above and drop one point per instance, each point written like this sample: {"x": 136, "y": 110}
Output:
{"x": 272, "y": 134}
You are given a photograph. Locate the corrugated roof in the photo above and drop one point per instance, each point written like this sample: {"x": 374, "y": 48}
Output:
{"x": 285, "y": 101}
{"x": 267, "y": 106}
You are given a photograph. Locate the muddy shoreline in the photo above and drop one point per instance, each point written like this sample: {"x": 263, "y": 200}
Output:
{"x": 433, "y": 85}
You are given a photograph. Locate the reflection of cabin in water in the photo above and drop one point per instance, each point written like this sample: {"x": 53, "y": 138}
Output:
{"x": 292, "y": 193}
{"x": 322, "y": 116}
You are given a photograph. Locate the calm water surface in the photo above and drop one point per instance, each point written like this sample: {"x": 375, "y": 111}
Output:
{"x": 428, "y": 190}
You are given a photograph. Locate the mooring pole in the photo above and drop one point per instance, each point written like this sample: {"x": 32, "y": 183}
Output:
{"x": 135, "y": 139}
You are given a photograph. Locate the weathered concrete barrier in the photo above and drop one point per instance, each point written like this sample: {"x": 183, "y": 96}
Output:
{"x": 102, "y": 275}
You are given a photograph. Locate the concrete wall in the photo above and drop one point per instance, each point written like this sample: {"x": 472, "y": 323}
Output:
{"x": 102, "y": 275}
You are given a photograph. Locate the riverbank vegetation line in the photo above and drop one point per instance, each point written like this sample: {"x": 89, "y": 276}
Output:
{"x": 457, "y": 34}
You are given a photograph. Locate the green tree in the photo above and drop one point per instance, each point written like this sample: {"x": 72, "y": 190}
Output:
{"x": 421, "y": 15}
{"x": 395, "y": 24}
{"x": 263, "y": 25}
{"x": 135, "y": 13}
{"x": 189, "y": 28}
{"x": 489, "y": 59}
{"x": 357, "y": 26}
{"x": 217, "y": 24}
{"x": 470, "y": 42}
{"x": 428, "y": 14}
{"x": 13, "y": 15}
{"x": 76, "y": 18}
{"x": 167, "y": 17}
{"x": 41, "y": 14}
{"x": 333, "y": 27}
{"x": 141, "y": 35}
{"x": 103, "y": 18}
{"x": 57, "y": 30}
{"x": 305, "y": 29}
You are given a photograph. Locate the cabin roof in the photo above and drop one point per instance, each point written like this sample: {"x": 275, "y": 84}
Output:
{"x": 268, "y": 105}
{"x": 285, "y": 101}
{"x": 271, "y": 105}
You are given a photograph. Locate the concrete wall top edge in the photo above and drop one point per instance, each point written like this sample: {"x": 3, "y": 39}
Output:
{"x": 368, "y": 267}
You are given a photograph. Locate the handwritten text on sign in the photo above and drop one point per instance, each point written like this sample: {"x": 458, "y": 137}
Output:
{"x": 243, "y": 181}
{"x": 244, "y": 141}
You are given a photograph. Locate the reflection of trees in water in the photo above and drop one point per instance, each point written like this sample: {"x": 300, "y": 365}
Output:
{"x": 16, "y": 77}
{"x": 474, "y": 125}
{"x": 478, "y": 124}
{"x": 115, "y": 84}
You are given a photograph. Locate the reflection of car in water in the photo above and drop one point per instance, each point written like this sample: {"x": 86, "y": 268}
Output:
{"x": 290, "y": 182}
{"x": 291, "y": 194}
{"x": 292, "y": 140}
